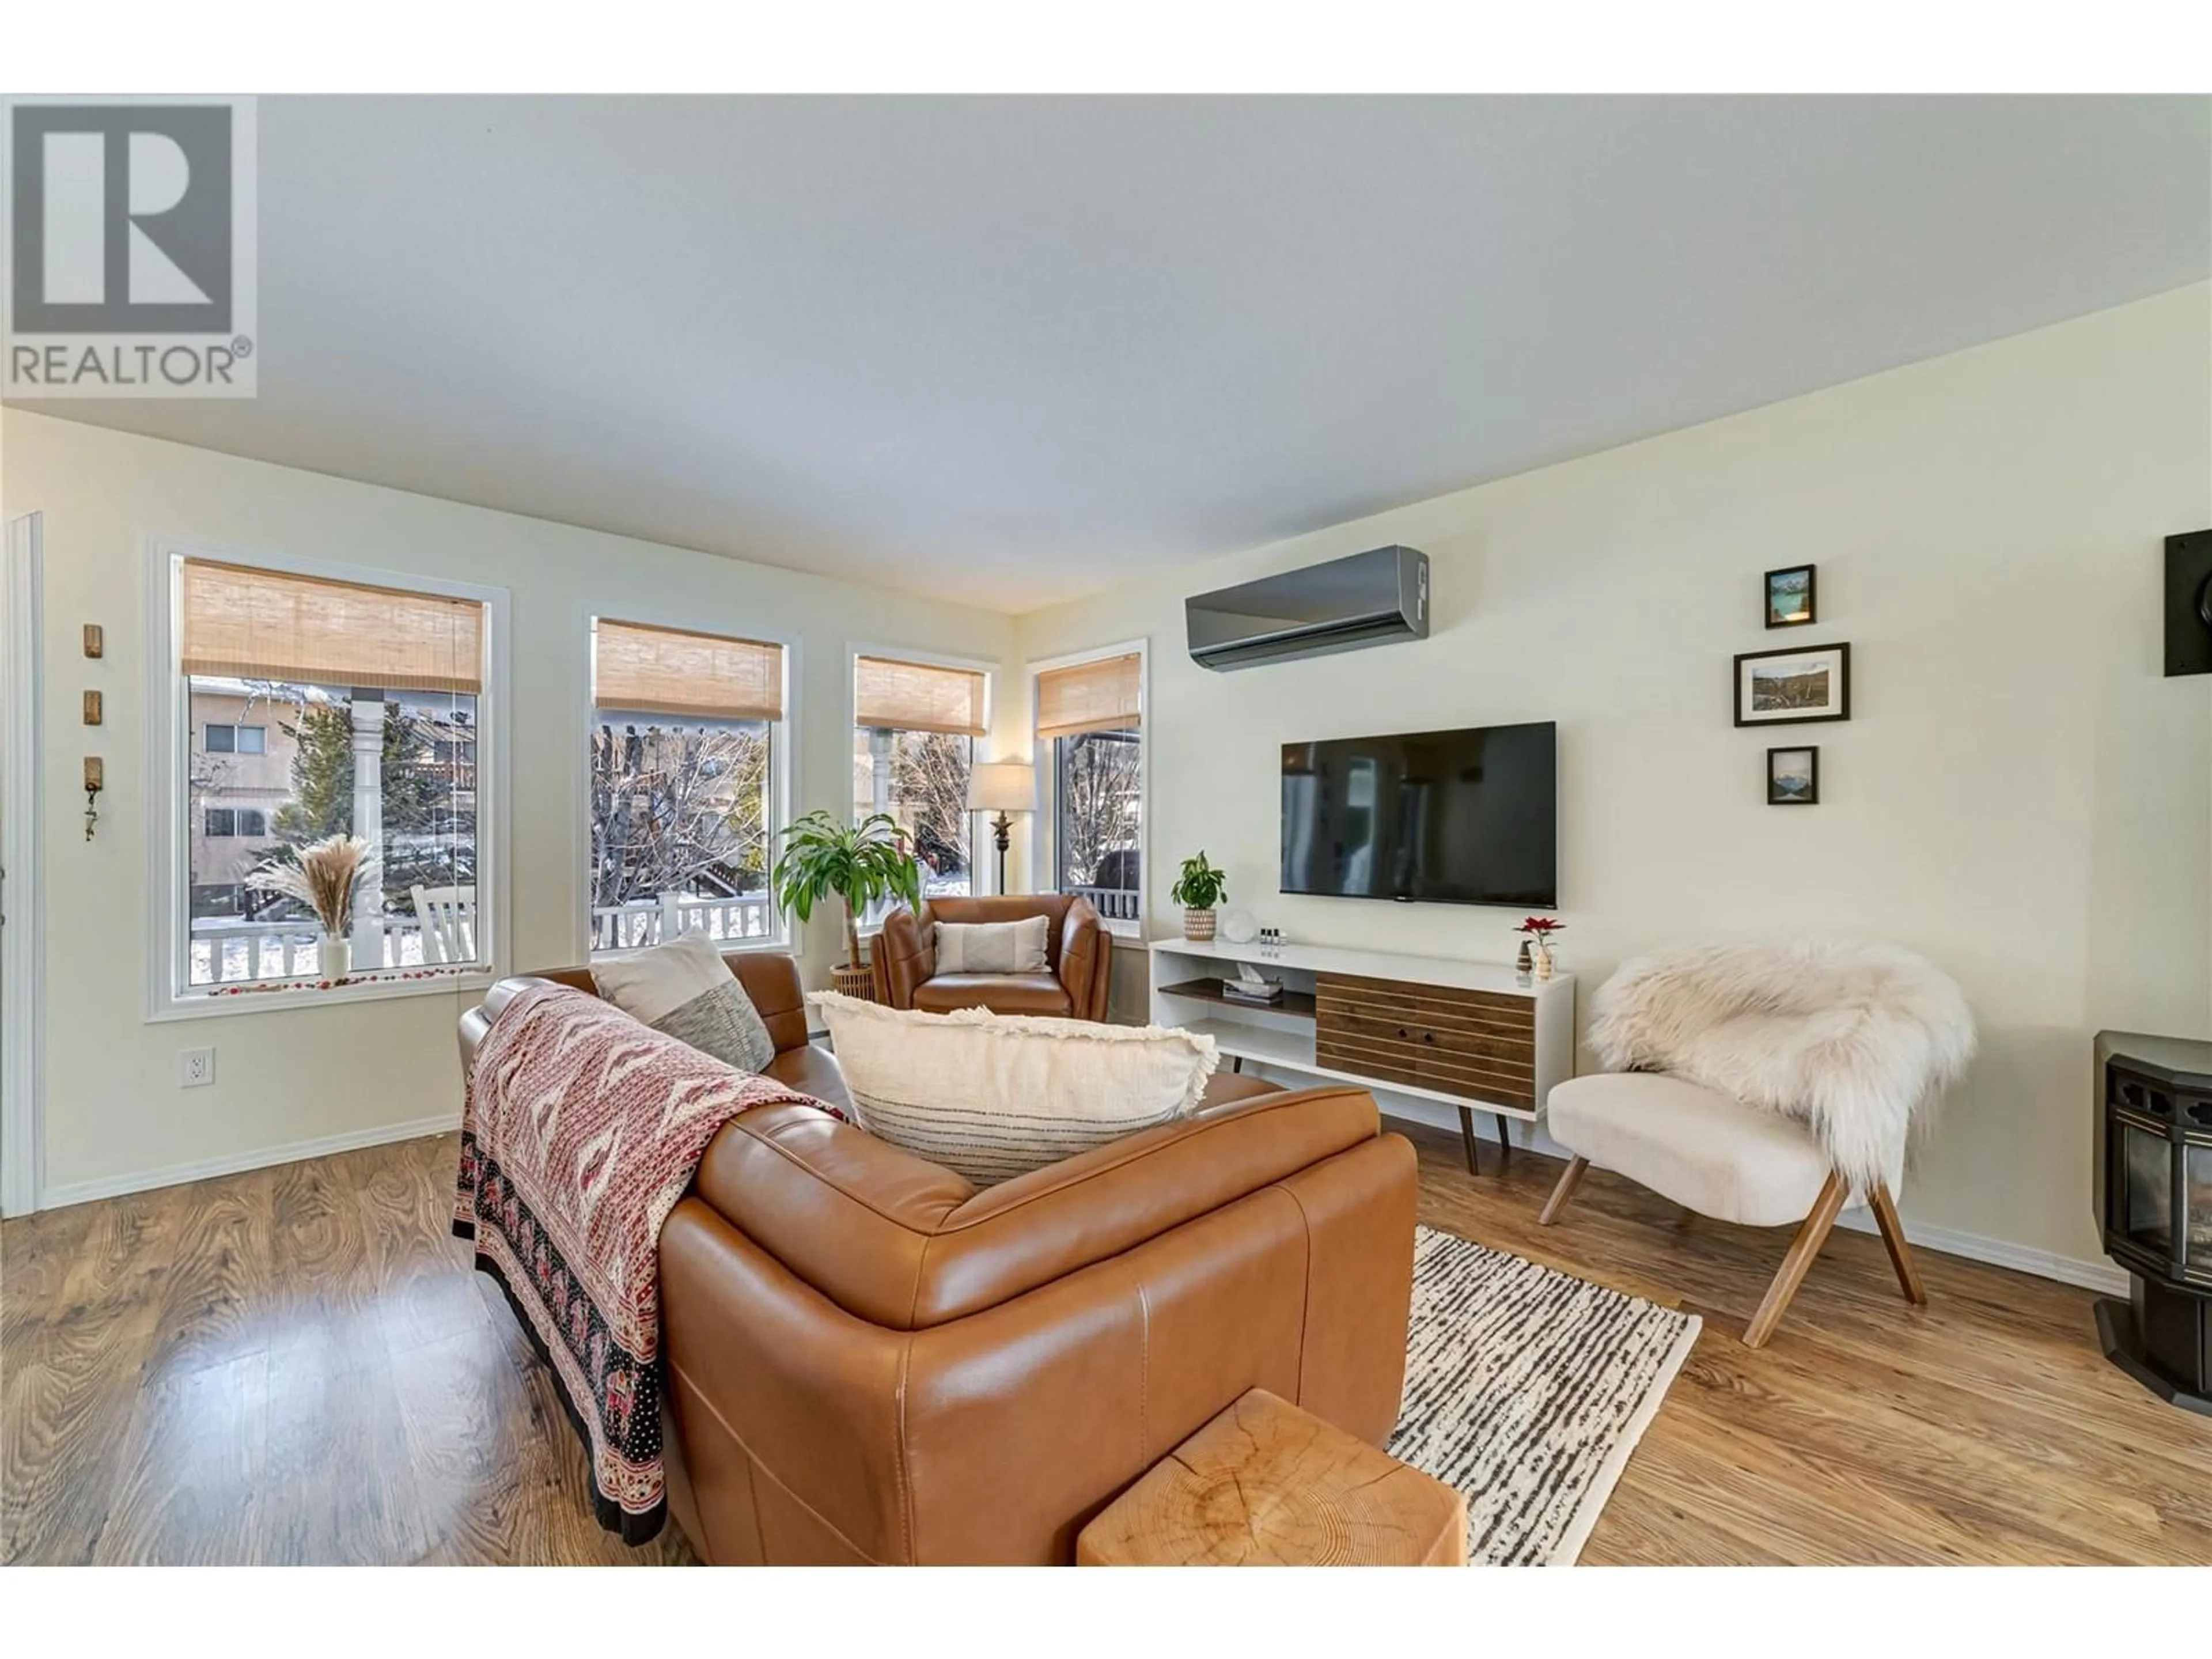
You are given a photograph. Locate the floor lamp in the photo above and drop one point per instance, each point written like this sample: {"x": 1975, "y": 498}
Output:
{"x": 1000, "y": 787}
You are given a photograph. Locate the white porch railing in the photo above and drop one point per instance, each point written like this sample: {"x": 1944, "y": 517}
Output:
{"x": 1113, "y": 903}
{"x": 253, "y": 952}
{"x": 227, "y": 952}
{"x": 641, "y": 922}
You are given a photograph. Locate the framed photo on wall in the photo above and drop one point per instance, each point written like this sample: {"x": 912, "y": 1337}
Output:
{"x": 1787, "y": 688}
{"x": 1793, "y": 777}
{"x": 1790, "y": 598}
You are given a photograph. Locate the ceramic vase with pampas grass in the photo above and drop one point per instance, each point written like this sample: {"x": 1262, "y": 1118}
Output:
{"x": 325, "y": 879}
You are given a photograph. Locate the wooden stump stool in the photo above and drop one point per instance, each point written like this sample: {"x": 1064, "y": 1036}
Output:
{"x": 1265, "y": 1484}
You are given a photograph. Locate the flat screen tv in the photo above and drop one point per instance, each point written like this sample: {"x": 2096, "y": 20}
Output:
{"x": 1469, "y": 816}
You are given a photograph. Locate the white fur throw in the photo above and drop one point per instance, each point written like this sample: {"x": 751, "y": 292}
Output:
{"x": 1856, "y": 1041}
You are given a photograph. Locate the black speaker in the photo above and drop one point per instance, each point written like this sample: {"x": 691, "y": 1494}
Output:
{"x": 2189, "y": 603}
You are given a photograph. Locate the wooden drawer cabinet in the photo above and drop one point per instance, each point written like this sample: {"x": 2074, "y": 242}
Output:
{"x": 1467, "y": 1035}
{"x": 1475, "y": 1044}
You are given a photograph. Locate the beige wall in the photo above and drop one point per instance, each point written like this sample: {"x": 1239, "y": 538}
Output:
{"x": 2018, "y": 793}
{"x": 114, "y": 1113}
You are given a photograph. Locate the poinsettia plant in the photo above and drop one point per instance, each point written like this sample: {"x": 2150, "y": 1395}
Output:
{"x": 1540, "y": 927}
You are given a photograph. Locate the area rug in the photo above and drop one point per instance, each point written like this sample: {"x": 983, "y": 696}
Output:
{"x": 1526, "y": 1390}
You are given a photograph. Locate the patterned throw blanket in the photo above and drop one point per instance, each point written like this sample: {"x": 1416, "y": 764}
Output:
{"x": 579, "y": 1130}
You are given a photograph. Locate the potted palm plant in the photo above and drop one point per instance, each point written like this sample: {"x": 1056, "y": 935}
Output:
{"x": 859, "y": 863}
{"x": 1198, "y": 889}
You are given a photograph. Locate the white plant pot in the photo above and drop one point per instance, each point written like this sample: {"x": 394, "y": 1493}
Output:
{"x": 335, "y": 957}
{"x": 1198, "y": 925}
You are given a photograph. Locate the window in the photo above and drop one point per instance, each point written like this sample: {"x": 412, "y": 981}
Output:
{"x": 309, "y": 706}
{"x": 1091, "y": 715}
{"x": 237, "y": 740}
{"x": 222, "y": 821}
{"x": 915, "y": 726}
{"x": 686, "y": 793}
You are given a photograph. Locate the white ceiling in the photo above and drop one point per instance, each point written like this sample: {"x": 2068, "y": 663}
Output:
{"x": 1012, "y": 351}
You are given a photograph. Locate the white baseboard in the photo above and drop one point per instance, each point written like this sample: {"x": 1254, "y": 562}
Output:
{"x": 84, "y": 1192}
{"x": 2000, "y": 1253}
{"x": 2101, "y": 1276}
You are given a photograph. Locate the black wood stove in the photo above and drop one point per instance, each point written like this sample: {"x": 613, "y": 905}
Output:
{"x": 2154, "y": 1178}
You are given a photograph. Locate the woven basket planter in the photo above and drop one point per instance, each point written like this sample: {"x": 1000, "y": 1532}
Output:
{"x": 859, "y": 983}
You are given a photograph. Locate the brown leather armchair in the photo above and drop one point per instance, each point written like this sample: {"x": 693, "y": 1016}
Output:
{"x": 1078, "y": 959}
{"x": 870, "y": 1361}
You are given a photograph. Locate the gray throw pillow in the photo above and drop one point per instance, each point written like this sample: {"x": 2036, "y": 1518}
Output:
{"x": 687, "y": 990}
{"x": 993, "y": 947}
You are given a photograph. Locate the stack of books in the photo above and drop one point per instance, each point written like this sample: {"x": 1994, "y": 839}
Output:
{"x": 1252, "y": 990}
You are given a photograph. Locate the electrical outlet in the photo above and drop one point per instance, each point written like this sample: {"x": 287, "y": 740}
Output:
{"x": 195, "y": 1067}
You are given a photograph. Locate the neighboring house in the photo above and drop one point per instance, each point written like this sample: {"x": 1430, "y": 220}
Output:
{"x": 241, "y": 770}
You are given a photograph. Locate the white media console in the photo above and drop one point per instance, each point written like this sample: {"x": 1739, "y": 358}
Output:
{"x": 1466, "y": 1033}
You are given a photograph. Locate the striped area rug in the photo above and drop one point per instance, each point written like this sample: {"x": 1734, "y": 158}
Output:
{"x": 1526, "y": 1389}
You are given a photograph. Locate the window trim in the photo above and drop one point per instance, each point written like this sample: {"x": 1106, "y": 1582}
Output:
{"x": 1043, "y": 853}
{"x": 168, "y": 819}
{"x": 783, "y": 754}
{"x": 983, "y": 873}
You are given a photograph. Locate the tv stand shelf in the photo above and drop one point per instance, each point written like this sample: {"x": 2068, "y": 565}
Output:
{"x": 1466, "y": 1035}
{"x": 1297, "y": 1004}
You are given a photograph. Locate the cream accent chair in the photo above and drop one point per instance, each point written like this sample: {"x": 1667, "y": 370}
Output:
{"x": 1831, "y": 1054}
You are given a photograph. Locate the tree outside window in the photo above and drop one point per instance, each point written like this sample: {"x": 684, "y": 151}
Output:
{"x": 679, "y": 809}
{"x": 920, "y": 778}
{"x": 1098, "y": 818}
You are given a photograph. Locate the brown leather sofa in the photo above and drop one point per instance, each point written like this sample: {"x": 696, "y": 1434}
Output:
{"x": 870, "y": 1361}
{"x": 1079, "y": 958}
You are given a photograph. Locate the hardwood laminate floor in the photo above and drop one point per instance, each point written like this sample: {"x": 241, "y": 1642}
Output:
{"x": 298, "y": 1365}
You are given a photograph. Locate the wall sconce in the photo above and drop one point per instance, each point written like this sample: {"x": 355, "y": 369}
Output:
{"x": 96, "y": 780}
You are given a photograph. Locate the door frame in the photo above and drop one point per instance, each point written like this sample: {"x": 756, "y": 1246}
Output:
{"x": 22, "y": 941}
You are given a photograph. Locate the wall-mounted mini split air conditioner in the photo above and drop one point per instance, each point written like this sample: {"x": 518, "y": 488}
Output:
{"x": 1368, "y": 598}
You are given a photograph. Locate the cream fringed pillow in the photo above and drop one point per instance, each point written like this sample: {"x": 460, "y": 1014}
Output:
{"x": 994, "y": 1096}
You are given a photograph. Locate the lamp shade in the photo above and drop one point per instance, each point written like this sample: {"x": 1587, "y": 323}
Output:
{"x": 1002, "y": 787}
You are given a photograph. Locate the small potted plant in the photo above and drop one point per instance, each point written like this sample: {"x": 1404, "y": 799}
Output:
{"x": 1537, "y": 947}
{"x": 325, "y": 877}
{"x": 859, "y": 863}
{"x": 1198, "y": 889}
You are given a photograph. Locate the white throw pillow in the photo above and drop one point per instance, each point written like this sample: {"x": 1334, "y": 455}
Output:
{"x": 993, "y": 947}
{"x": 687, "y": 990}
{"x": 994, "y": 1095}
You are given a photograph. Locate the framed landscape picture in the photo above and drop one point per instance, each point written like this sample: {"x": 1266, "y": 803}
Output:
{"x": 1789, "y": 597}
{"x": 1778, "y": 688}
{"x": 1793, "y": 777}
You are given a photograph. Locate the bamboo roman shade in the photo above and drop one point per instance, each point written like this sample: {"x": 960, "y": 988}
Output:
{"x": 271, "y": 625}
{"x": 915, "y": 696}
{"x": 665, "y": 671}
{"x": 1105, "y": 696}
